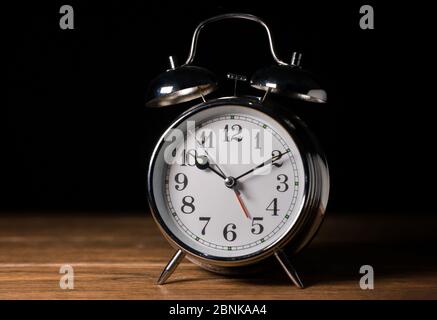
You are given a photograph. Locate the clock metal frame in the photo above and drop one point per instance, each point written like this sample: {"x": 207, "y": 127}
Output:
{"x": 188, "y": 82}
{"x": 315, "y": 193}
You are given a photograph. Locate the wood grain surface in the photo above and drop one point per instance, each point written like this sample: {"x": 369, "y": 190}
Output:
{"x": 121, "y": 256}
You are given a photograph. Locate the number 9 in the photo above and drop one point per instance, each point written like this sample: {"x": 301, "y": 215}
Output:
{"x": 181, "y": 180}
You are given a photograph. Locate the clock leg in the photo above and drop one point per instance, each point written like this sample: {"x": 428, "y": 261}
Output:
{"x": 171, "y": 266}
{"x": 288, "y": 267}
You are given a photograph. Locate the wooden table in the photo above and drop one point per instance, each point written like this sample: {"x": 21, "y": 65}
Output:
{"x": 121, "y": 256}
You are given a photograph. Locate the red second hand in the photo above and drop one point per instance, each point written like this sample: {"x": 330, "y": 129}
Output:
{"x": 243, "y": 206}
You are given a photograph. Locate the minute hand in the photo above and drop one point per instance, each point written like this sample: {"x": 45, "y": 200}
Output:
{"x": 271, "y": 160}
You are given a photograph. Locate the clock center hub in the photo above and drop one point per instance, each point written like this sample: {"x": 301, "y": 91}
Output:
{"x": 230, "y": 182}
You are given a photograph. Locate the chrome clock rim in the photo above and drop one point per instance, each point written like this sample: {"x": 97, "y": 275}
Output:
{"x": 315, "y": 192}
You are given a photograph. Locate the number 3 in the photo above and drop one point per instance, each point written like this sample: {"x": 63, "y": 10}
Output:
{"x": 283, "y": 183}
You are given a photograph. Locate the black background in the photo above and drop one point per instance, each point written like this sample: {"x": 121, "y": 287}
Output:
{"x": 77, "y": 136}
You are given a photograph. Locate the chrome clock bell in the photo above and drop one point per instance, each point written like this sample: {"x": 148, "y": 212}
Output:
{"x": 234, "y": 183}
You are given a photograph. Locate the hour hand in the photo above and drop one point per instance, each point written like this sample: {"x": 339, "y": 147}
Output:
{"x": 241, "y": 202}
{"x": 202, "y": 163}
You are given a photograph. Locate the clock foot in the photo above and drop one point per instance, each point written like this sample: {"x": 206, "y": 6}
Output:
{"x": 171, "y": 266}
{"x": 289, "y": 269}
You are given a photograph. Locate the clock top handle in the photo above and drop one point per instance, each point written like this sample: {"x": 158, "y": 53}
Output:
{"x": 243, "y": 16}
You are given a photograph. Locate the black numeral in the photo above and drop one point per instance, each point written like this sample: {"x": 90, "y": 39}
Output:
{"x": 273, "y": 204}
{"x": 206, "y": 139}
{"x": 189, "y": 158}
{"x": 230, "y": 235}
{"x": 278, "y": 155}
{"x": 188, "y": 205}
{"x": 257, "y": 228}
{"x": 236, "y": 128}
{"x": 283, "y": 186}
{"x": 207, "y": 221}
{"x": 181, "y": 180}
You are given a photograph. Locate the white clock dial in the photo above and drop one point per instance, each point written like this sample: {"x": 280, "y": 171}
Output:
{"x": 229, "y": 221}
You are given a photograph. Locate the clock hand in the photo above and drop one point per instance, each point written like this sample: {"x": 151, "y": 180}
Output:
{"x": 242, "y": 205}
{"x": 202, "y": 163}
{"x": 231, "y": 183}
{"x": 204, "y": 149}
{"x": 271, "y": 160}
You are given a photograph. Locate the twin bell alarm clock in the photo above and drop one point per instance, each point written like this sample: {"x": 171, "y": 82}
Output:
{"x": 235, "y": 183}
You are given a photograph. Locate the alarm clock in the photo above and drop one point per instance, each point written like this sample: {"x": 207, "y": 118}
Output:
{"x": 237, "y": 181}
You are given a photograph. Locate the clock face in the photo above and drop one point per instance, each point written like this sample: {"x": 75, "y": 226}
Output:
{"x": 229, "y": 182}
